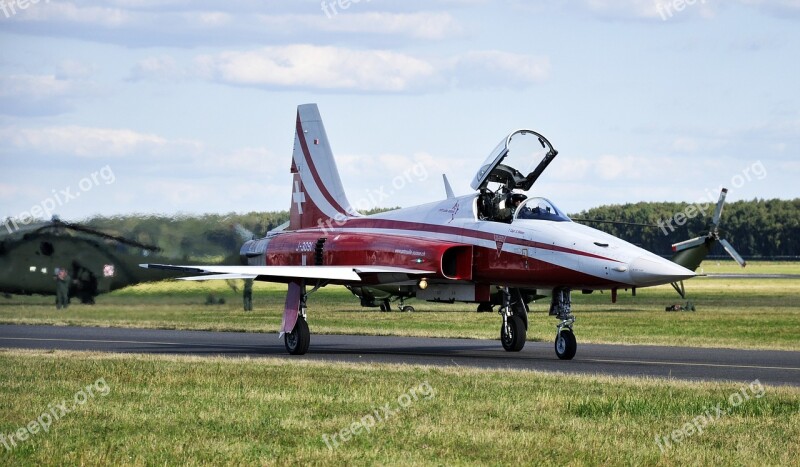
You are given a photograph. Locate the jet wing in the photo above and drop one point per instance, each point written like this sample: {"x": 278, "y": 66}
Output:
{"x": 344, "y": 274}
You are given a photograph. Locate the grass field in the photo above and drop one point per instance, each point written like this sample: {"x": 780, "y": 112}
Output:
{"x": 746, "y": 313}
{"x": 158, "y": 410}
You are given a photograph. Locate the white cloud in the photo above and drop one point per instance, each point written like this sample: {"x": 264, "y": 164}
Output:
{"x": 92, "y": 142}
{"x": 340, "y": 69}
{"x": 610, "y": 167}
{"x": 193, "y": 24}
{"x": 34, "y": 86}
{"x": 658, "y": 10}
{"x": 160, "y": 68}
{"x": 780, "y": 8}
{"x": 624, "y": 8}
{"x": 327, "y": 68}
{"x": 663, "y": 10}
{"x": 181, "y": 157}
{"x": 498, "y": 68}
{"x": 25, "y": 94}
{"x": 421, "y": 25}
{"x": 69, "y": 12}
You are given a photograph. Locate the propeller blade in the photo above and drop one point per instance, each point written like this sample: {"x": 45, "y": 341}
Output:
{"x": 736, "y": 256}
{"x": 686, "y": 244}
{"x": 718, "y": 210}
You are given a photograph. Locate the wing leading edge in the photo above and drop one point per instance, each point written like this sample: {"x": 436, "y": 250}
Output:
{"x": 342, "y": 274}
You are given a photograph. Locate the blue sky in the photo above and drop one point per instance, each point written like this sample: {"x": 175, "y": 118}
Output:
{"x": 122, "y": 106}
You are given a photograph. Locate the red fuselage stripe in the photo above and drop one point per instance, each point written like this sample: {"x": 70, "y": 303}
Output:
{"x": 421, "y": 229}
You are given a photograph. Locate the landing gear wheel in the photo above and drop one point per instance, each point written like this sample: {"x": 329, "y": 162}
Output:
{"x": 484, "y": 307}
{"x": 385, "y": 306}
{"x": 512, "y": 334}
{"x": 297, "y": 341}
{"x": 407, "y": 309}
{"x": 566, "y": 344}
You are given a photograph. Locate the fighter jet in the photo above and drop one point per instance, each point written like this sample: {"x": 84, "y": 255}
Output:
{"x": 456, "y": 249}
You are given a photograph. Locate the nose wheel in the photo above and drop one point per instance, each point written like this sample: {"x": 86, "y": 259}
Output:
{"x": 561, "y": 307}
{"x": 566, "y": 344}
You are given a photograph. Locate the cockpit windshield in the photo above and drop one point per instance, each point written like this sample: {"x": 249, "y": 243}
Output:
{"x": 540, "y": 209}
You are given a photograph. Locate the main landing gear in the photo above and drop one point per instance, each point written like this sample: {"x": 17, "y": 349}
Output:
{"x": 386, "y": 305}
{"x": 515, "y": 320}
{"x": 561, "y": 306}
{"x": 297, "y": 341}
{"x": 294, "y": 329}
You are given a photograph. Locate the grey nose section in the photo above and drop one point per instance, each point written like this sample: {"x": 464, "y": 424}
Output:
{"x": 646, "y": 271}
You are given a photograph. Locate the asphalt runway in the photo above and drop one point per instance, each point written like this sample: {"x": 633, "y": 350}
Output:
{"x": 770, "y": 367}
{"x": 753, "y": 276}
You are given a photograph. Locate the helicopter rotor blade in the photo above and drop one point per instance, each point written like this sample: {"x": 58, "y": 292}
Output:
{"x": 686, "y": 244}
{"x": 731, "y": 251}
{"x": 718, "y": 210}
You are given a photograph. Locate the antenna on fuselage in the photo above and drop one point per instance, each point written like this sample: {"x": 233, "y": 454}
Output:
{"x": 447, "y": 188}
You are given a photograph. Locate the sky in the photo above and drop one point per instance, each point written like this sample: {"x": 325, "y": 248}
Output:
{"x": 175, "y": 106}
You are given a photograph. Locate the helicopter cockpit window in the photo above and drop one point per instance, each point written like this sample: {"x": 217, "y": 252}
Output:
{"x": 540, "y": 209}
{"x": 46, "y": 248}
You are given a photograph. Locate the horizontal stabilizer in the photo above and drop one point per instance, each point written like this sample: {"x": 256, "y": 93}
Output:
{"x": 685, "y": 245}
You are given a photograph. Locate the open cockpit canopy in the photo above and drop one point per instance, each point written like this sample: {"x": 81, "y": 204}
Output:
{"x": 511, "y": 163}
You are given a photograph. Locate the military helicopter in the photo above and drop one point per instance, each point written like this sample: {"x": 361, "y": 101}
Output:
{"x": 97, "y": 262}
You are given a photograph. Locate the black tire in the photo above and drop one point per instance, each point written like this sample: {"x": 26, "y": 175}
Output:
{"x": 407, "y": 309}
{"x": 566, "y": 345}
{"x": 385, "y": 306}
{"x": 485, "y": 307}
{"x": 297, "y": 341}
{"x": 514, "y": 339}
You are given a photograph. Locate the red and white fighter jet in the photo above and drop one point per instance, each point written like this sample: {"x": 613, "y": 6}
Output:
{"x": 459, "y": 249}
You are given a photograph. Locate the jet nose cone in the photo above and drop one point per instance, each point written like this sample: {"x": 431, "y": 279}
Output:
{"x": 646, "y": 271}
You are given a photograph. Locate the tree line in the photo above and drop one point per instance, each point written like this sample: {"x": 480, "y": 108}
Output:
{"x": 756, "y": 228}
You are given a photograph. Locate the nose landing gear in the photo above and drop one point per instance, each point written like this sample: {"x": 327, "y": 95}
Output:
{"x": 566, "y": 344}
{"x": 561, "y": 307}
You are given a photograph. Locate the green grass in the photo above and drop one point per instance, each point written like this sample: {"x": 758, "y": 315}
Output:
{"x": 742, "y": 313}
{"x": 190, "y": 410}
{"x": 753, "y": 267}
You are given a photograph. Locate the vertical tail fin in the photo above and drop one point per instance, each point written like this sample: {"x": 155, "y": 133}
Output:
{"x": 318, "y": 197}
